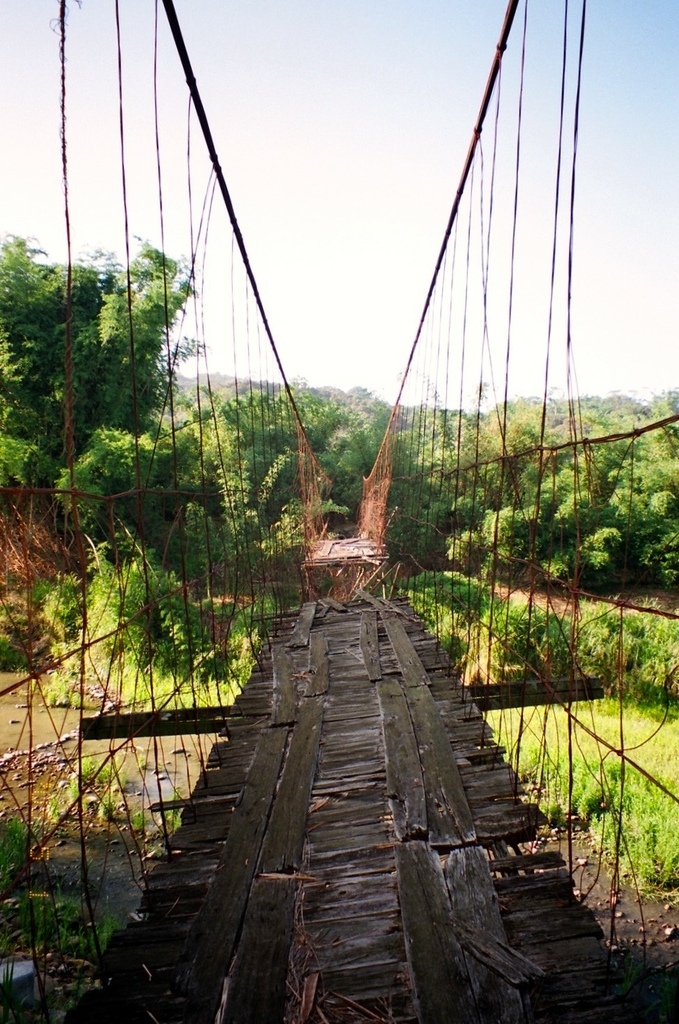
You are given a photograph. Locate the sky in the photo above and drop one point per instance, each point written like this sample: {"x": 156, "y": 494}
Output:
{"x": 342, "y": 126}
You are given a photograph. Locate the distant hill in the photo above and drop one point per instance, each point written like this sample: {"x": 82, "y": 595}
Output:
{"x": 223, "y": 385}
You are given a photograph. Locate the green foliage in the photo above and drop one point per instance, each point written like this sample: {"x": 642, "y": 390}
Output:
{"x": 488, "y": 493}
{"x": 148, "y": 636}
{"x": 504, "y": 638}
{"x": 117, "y": 337}
{"x": 11, "y": 660}
{"x": 60, "y": 923}
{"x": 13, "y": 850}
{"x": 488, "y": 635}
{"x": 625, "y": 811}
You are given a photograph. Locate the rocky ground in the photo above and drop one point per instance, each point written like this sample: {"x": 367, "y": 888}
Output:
{"x": 642, "y": 934}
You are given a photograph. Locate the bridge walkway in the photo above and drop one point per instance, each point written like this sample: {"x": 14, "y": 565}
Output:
{"x": 353, "y": 851}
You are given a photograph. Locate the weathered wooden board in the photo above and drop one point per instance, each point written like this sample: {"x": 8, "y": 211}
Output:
{"x": 256, "y": 986}
{"x": 180, "y": 722}
{"x": 512, "y": 822}
{"x": 211, "y": 941}
{"x": 441, "y": 982}
{"x": 357, "y": 900}
{"x": 318, "y": 665}
{"x": 284, "y": 840}
{"x": 541, "y": 922}
{"x": 405, "y": 784}
{"x": 284, "y": 689}
{"x": 412, "y": 669}
{"x": 369, "y": 643}
{"x": 538, "y": 886}
{"x": 345, "y": 551}
{"x": 300, "y": 634}
{"x": 494, "y": 968}
{"x": 534, "y": 692}
{"x": 449, "y": 818}
{"x": 529, "y": 862}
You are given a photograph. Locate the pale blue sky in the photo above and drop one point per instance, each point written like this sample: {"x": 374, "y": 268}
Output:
{"x": 342, "y": 126}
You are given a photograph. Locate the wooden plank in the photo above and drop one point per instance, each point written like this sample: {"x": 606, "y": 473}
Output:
{"x": 542, "y": 924}
{"x": 369, "y": 643}
{"x": 441, "y": 983}
{"x": 513, "y": 822}
{"x": 336, "y": 606}
{"x": 256, "y": 988}
{"x": 529, "y": 862}
{"x": 533, "y": 692}
{"x": 495, "y": 969}
{"x": 211, "y": 941}
{"x": 397, "y": 607}
{"x": 412, "y": 669}
{"x": 318, "y": 665}
{"x": 300, "y": 634}
{"x": 284, "y": 689}
{"x": 179, "y": 722}
{"x": 449, "y": 818}
{"x": 284, "y": 840}
{"x": 559, "y": 884}
{"x": 405, "y": 785}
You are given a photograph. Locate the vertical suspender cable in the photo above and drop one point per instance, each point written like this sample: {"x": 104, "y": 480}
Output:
{"x": 219, "y": 174}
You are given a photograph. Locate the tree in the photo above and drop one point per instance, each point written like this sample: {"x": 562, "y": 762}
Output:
{"x": 117, "y": 343}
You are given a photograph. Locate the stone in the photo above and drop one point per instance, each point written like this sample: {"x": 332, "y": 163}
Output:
{"x": 20, "y": 974}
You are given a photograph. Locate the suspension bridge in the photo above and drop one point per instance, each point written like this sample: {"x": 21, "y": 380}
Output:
{"x": 357, "y": 843}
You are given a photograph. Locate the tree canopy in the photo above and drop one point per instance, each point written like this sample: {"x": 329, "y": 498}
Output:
{"x": 122, "y": 338}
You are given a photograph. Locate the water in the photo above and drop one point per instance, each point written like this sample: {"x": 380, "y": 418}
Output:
{"x": 39, "y": 787}
{"x": 149, "y": 771}
{"x": 20, "y": 730}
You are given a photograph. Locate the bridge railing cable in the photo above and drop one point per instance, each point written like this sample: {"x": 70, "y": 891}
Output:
{"x": 539, "y": 536}
{"x": 153, "y": 517}
{"x": 373, "y": 512}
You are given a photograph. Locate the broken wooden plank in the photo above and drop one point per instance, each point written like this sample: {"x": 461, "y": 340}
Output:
{"x": 211, "y": 941}
{"x": 388, "y": 607}
{"x": 284, "y": 840}
{"x": 495, "y": 969}
{"x": 449, "y": 818}
{"x": 300, "y": 634}
{"x": 439, "y": 972}
{"x": 405, "y": 785}
{"x": 256, "y": 987}
{"x": 318, "y": 665}
{"x": 412, "y": 669}
{"x": 513, "y": 822}
{"x": 370, "y": 648}
{"x": 336, "y": 606}
{"x": 284, "y": 689}
{"x": 376, "y": 602}
{"x": 499, "y": 963}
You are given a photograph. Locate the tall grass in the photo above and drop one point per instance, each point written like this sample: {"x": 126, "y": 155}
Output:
{"x": 499, "y": 638}
{"x": 627, "y": 814}
{"x": 146, "y": 636}
{"x": 13, "y": 850}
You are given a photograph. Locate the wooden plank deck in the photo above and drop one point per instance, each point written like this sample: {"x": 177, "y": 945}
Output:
{"x": 344, "y": 550}
{"x": 352, "y": 852}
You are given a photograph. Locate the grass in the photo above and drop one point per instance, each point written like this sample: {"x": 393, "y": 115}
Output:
{"x": 497, "y": 637}
{"x": 492, "y": 637}
{"x": 58, "y": 923}
{"x": 622, "y": 807}
{"x": 13, "y": 850}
